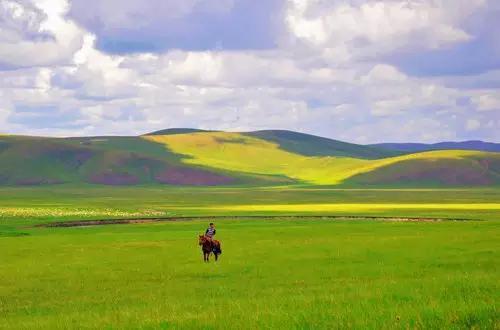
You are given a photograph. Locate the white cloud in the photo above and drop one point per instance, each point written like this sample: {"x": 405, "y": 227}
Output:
{"x": 472, "y": 124}
{"x": 487, "y": 102}
{"x": 20, "y": 20}
{"x": 97, "y": 75}
{"x": 37, "y": 34}
{"x": 391, "y": 106}
{"x": 328, "y": 78}
{"x": 118, "y": 14}
{"x": 391, "y": 129}
{"x": 391, "y": 92}
{"x": 22, "y": 78}
{"x": 384, "y": 73}
{"x": 5, "y": 111}
{"x": 370, "y": 29}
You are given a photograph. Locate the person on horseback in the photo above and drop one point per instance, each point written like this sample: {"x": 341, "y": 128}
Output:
{"x": 209, "y": 244}
{"x": 210, "y": 232}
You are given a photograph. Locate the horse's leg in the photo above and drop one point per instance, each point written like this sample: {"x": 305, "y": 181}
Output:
{"x": 216, "y": 256}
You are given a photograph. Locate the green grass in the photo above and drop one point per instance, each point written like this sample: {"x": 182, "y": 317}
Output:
{"x": 274, "y": 273}
{"x": 308, "y": 274}
{"x": 49, "y": 203}
{"x": 198, "y": 201}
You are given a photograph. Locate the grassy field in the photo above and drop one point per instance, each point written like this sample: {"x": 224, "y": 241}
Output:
{"x": 308, "y": 274}
{"x": 274, "y": 273}
{"x": 31, "y": 205}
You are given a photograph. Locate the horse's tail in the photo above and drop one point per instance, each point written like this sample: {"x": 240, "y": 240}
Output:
{"x": 217, "y": 246}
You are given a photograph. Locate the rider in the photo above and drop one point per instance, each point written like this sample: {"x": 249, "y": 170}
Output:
{"x": 210, "y": 232}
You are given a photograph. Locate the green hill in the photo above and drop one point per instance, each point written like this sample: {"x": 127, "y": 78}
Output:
{"x": 436, "y": 168}
{"x": 221, "y": 158}
{"x": 417, "y": 147}
{"x": 105, "y": 160}
{"x": 311, "y": 145}
{"x": 243, "y": 153}
{"x": 172, "y": 131}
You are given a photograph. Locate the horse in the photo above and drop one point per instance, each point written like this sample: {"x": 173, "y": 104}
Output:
{"x": 209, "y": 246}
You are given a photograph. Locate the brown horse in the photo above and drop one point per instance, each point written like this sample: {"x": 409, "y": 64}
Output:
{"x": 209, "y": 246}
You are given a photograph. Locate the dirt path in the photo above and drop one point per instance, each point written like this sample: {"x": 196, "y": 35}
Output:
{"x": 82, "y": 223}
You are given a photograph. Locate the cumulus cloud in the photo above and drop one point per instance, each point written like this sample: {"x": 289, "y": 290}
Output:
{"x": 371, "y": 29}
{"x": 384, "y": 73}
{"x": 331, "y": 68}
{"x": 35, "y": 33}
{"x": 150, "y": 25}
{"x": 472, "y": 124}
{"x": 21, "y": 20}
{"x": 95, "y": 75}
{"x": 487, "y": 101}
{"x": 478, "y": 55}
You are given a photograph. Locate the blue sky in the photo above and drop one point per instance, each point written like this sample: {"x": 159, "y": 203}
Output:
{"x": 364, "y": 71}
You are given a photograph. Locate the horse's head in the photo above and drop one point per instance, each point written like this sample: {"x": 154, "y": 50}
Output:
{"x": 201, "y": 239}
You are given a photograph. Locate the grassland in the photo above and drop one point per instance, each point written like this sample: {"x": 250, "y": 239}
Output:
{"x": 275, "y": 273}
{"x": 63, "y": 202}
{"x": 308, "y": 274}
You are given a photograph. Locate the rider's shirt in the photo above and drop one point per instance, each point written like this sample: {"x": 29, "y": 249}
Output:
{"x": 210, "y": 232}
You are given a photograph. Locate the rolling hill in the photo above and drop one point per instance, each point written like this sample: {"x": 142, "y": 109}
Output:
{"x": 172, "y": 131}
{"x": 212, "y": 158}
{"x": 417, "y": 147}
{"x": 311, "y": 145}
{"x": 105, "y": 160}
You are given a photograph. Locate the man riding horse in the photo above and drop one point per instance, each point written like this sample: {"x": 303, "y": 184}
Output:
{"x": 209, "y": 244}
{"x": 210, "y": 232}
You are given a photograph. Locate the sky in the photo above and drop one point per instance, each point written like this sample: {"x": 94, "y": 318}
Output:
{"x": 363, "y": 71}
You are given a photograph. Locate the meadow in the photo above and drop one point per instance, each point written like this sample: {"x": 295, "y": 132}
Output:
{"x": 275, "y": 273}
{"x": 73, "y": 202}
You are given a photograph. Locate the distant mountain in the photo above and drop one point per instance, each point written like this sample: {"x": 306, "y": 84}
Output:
{"x": 172, "y": 131}
{"x": 416, "y": 147}
{"x": 311, "y": 145}
{"x": 203, "y": 158}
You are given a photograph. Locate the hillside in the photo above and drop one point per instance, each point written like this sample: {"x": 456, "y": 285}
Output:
{"x": 435, "y": 168}
{"x": 311, "y": 145}
{"x": 105, "y": 160}
{"x": 204, "y": 158}
{"x": 240, "y": 152}
{"x": 172, "y": 131}
{"x": 418, "y": 147}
